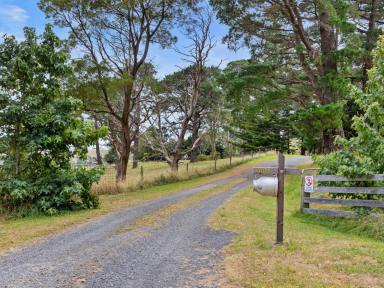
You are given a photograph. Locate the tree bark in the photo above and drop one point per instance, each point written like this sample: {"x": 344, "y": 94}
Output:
{"x": 135, "y": 152}
{"x": 328, "y": 46}
{"x": 213, "y": 147}
{"x": 123, "y": 165}
{"x": 195, "y": 135}
{"x": 124, "y": 152}
{"x": 369, "y": 43}
{"x": 175, "y": 164}
{"x": 302, "y": 150}
{"x": 99, "y": 160}
{"x": 17, "y": 148}
{"x": 137, "y": 121}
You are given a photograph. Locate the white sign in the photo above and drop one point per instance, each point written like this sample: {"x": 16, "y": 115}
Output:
{"x": 308, "y": 184}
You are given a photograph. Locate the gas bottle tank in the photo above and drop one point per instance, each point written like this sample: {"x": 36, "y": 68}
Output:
{"x": 266, "y": 186}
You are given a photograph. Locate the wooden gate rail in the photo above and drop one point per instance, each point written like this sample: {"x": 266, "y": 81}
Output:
{"x": 307, "y": 197}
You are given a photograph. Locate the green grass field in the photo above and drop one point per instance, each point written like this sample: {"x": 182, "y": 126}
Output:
{"x": 318, "y": 251}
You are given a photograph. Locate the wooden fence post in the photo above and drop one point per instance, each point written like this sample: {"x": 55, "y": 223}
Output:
{"x": 230, "y": 160}
{"x": 142, "y": 173}
{"x": 304, "y": 194}
{"x": 187, "y": 168}
{"x": 280, "y": 199}
{"x": 215, "y": 163}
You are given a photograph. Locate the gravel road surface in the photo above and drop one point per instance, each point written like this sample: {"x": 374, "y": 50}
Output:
{"x": 182, "y": 252}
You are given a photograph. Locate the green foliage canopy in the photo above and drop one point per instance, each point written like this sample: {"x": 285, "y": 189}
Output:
{"x": 260, "y": 110}
{"x": 310, "y": 123}
{"x": 317, "y": 47}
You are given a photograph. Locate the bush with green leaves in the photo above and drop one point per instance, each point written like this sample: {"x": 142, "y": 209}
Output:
{"x": 41, "y": 129}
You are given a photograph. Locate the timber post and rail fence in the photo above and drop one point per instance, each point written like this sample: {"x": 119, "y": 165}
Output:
{"x": 326, "y": 186}
{"x": 158, "y": 171}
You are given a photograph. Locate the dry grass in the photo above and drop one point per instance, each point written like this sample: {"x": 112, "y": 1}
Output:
{"x": 160, "y": 173}
{"x": 313, "y": 255}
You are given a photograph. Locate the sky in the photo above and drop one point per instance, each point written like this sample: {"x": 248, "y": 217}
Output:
{"x": 16, "y": 14}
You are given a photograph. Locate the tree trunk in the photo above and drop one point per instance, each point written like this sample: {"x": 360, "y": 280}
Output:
{"x": 194, "y": 156}
{"x": 118, "y": 170}
{"x": 302, "y": 150}
{"x": 135, "y": 152}
{"x": 123, "y": 167}
{"x": 137, "y": 130}
{"x": 213, "y": 148}
{"x": 329, "y": 67}
{"x": 99, "y": 160}
{"x": 195, "y": 135}
{"x": 213, "y": 140}
{"x": 328, "y": 49}
{"x": 17, "y": 148}
{"x": 126, "y": 132}
{"x": 327, "y": 145}
{"x": 124, "y": 151}
{"x": 369, "y": 43}
{"x": 175, "y": 164}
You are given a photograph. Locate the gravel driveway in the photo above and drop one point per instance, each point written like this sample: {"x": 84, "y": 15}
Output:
{"x": 183, "y": 252}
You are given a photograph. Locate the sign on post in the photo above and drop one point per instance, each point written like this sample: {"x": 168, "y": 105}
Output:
{"x": 308, "y": 184}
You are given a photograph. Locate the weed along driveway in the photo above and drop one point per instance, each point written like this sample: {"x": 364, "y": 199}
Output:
{"x": 165, "y": 242}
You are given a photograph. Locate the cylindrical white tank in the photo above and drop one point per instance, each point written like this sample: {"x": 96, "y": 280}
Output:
{"x": 266, "y": 186}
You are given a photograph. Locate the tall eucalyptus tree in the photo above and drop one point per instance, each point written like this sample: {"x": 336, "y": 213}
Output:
{"x": 113, "y": 38}
{"x": 176, "y": 107}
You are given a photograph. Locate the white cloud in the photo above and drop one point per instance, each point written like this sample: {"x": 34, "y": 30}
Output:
{"x": 13, "y": 13}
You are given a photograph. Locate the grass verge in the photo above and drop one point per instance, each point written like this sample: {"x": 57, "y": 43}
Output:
{"x": 15, "y": 232}
{"x": 319, "y": 251}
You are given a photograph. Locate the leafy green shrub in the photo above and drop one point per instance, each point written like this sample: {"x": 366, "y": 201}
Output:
{"x": 41, "y": 129}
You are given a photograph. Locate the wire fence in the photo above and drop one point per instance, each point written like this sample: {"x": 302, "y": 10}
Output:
{"x": 159, "y": 172}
